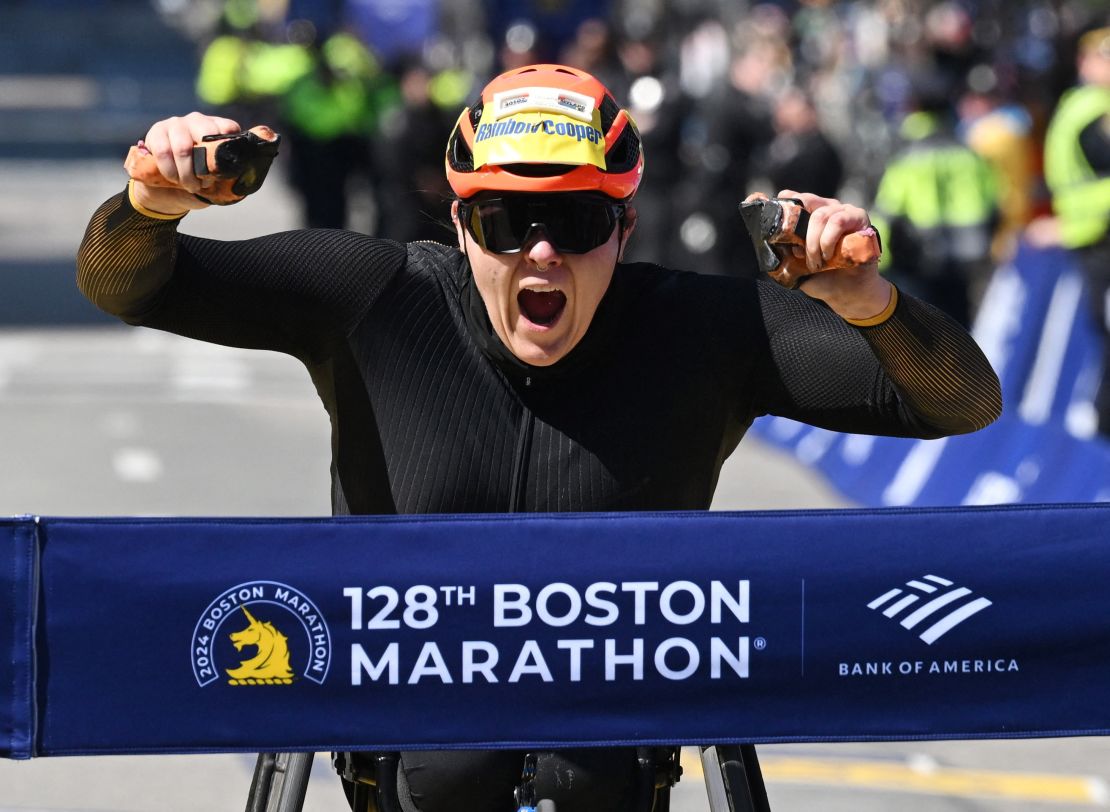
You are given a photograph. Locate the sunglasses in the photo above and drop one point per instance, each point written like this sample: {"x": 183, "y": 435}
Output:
{"x": 573, "y": 223}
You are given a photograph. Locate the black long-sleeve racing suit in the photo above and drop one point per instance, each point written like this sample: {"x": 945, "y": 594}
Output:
{"x": 430, "y": 413}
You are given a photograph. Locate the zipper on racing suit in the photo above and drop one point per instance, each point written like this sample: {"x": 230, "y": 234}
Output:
{"x": 520, "y": 463}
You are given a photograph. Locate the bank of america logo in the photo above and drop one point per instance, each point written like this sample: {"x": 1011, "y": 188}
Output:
{"x": 946, "y": 606}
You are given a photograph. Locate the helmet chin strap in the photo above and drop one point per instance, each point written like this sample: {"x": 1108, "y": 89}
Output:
{"x": 620, "y": 239}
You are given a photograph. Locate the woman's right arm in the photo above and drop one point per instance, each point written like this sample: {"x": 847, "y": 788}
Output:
{"x": 276, "y": 292}
{"x": 126, "y": 258}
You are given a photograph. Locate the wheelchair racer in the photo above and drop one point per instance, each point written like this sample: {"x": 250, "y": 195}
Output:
{"x": 526, "y": 367}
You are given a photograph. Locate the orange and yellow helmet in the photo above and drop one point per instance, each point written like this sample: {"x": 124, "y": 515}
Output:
{"x": 545, "y": 128}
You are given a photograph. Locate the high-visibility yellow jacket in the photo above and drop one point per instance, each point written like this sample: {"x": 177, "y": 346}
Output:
{"x": 942, "y": 190}
{"x": 1080, "y": 195}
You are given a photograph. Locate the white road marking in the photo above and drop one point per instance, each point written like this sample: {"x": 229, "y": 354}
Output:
{"x": 137, "y": 465}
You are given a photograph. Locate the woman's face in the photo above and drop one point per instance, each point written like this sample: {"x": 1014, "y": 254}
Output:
{"x": 540, "y": 301}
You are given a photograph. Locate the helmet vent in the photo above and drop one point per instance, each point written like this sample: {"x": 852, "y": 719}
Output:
{"x": 609, "y": 110}
{"x": 459, "y": 155}
{"x": 625, "y": 154}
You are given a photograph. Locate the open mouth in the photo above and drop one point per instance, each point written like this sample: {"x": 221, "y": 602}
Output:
{"x": 542, "y": 306}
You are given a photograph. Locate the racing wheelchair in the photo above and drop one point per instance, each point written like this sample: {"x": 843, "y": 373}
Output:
{"x": 733, "y": 781}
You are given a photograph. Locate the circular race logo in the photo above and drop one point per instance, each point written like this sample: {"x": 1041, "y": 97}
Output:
{"x": 252, "y": 635}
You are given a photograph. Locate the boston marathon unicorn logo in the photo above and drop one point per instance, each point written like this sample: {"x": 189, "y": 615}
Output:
{"x": 274, "y": 626}
{"x": 270, "y": 666}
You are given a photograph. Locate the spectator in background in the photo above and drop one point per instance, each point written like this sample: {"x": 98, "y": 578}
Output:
{"x": 937, "y": 208}
{"x": 411, "y": 152}
{"x": 247, "y": 63}
{"x": 330, "y": 116}
{"x": 736, "y": 118}
{"x": 519, "y": 47}
{"x": 950, "y": 46}
{"x": 594, "y": 49}
{"x": 556, "y": 21}
{"x": 1002, "y": 132}
{"x": 391, "y": 29}
{"x": 660, "y": 108}
{"x": 1077, "y": 171}
{"x": 800, "y": 156}
{"x": 318, "y": 84}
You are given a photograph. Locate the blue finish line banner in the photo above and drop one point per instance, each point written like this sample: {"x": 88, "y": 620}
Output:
{"x": 180, "y": 636}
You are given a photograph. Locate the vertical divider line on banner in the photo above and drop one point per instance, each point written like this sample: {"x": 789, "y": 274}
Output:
{"x": 19, "y": 603}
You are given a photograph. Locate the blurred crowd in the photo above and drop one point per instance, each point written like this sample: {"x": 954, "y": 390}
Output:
{"x": 932, "y": 113}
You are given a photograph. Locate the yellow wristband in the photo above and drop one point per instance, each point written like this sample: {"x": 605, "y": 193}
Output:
{"x": 879, "y": 318}
{"x": 143, "y": 210}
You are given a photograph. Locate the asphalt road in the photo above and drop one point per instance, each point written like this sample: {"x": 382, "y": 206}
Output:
{"x": 98, "y": 420}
